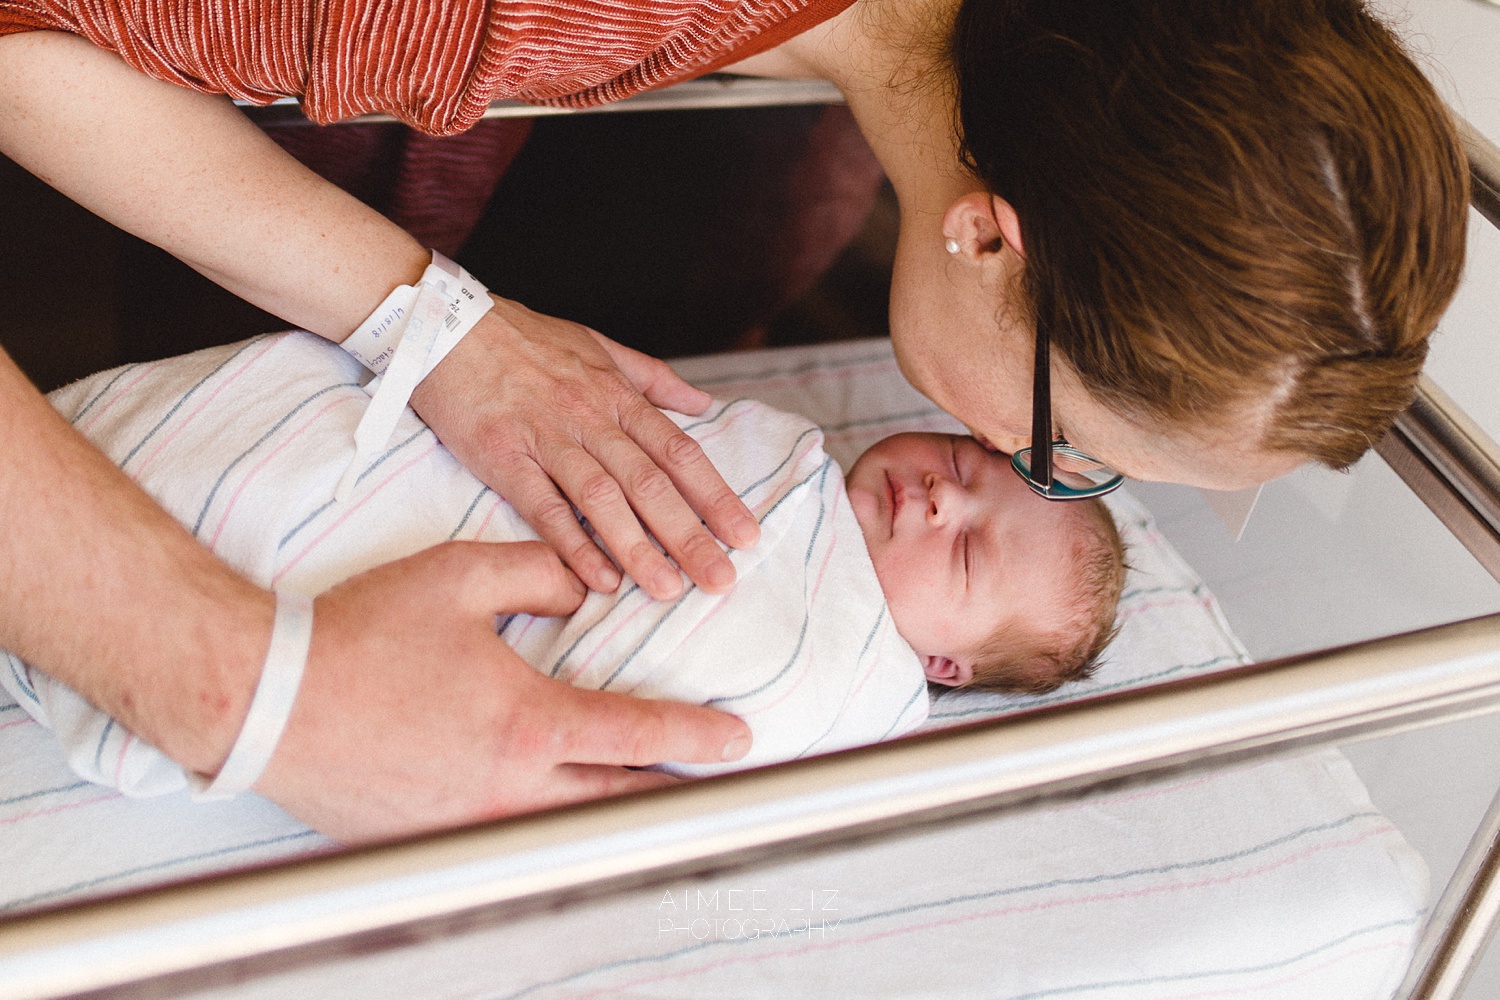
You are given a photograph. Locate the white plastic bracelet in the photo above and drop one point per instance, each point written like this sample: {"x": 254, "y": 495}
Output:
{"x": 402, "y": 341}
{"x": 291, "y": 637}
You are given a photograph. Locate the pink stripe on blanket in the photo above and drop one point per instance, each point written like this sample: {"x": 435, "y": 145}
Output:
{"x": 806, "y": 656}
{"x": 235, "y": 499}
{"x": 121, "y": 393}
{"x": 970, "y": 917}
{"x": 753, "y": 406}
{"x": 270, "y": 344}
{"x": 350, "y": 512}
{"x": 120, "y": 757}
{"x": 494, "y": 509}
{"x": 1260, "y": 989}
{"x": 1187, "y": 599}
{"x": 829, "y": 374}
{"x": 51, "y": 810}
{"x": 938, "y": 421}
{"x": 571, "y": 675}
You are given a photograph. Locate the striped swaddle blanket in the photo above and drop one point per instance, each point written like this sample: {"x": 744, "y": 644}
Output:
{"x": 245, "y": 443}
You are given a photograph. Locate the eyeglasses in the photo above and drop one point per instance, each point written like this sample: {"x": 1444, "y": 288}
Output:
{"x": 1060, "y": 471}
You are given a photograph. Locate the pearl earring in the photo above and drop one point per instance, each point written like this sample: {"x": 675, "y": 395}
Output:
{"x": 951, "y": 246}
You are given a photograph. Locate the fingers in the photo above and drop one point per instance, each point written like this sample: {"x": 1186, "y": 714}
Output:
{"x": 655, "y": 379}
{"x": 567, "y": 425}
{"x": 695, "y": 478}
{"x": 505, "y": 577}
{"x": 601, "y": 727}
{"x": 597, "y": 489}
{"x": 534, "y": 495}
{"x": 632, "y": 482}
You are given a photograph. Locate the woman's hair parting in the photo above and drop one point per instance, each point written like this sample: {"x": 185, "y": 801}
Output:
{"x": 1227, "y": 207}
{"x": 1028, "y": 660}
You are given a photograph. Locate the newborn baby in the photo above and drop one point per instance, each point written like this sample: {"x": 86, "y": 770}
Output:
{"x": 937, "y": 563}
{"x": 990, "y": 584}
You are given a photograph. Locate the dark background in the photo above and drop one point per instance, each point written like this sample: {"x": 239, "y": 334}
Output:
{"x": 678, "y": 233}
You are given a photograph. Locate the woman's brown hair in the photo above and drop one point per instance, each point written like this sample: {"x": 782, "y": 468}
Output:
{"x": 1222, "y": 202}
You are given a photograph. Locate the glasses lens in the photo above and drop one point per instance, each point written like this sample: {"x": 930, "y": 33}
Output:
{"x": 1076, "y": 473}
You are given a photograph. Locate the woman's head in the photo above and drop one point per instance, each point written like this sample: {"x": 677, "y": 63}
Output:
{"x": 1235, "y": 216}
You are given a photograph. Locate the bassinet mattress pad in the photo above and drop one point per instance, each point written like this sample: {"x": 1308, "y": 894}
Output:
{"x": 1279, "y": 879}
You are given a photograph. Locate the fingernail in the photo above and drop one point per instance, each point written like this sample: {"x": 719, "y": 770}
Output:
{"x": 667, "y": 582}
{"x": 737, "y": 747}
{"x": 606, "y": 579}
{"x": 746, "y": 532}
{"x": 719, "y": 575}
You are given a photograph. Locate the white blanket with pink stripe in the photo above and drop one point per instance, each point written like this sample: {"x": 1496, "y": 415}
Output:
{"x": 244, "y": 444}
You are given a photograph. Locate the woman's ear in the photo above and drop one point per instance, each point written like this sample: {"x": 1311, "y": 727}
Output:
{"x": 981, "y": 223}
{"x": 941, "y": 670}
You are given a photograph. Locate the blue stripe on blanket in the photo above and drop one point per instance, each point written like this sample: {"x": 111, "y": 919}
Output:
{"x": 863, "y": 650}
{"x": 803, "y": 369}
{"x": 710, "y": 421}
{"x": 42, "y": 793}
{"x": 309, "y": 519}
{"x": 42, "y": 897}
{"x": 791, "y": 456}
{"x": 850, "y": 425}
{"x": 822, "y": 473}
{"x": 616, "y": 610}
{"x": 99, "y": 750}
{"x": 470, "y": 512}
{"x": 1073, "y": 694}
{"x": 185, "y": 397}
{"x": 1211, "y": 973}
{"x": 209, "y": 500}
{"x": 103, "y": 392}
{"x": 716, "y": 943}
{"x": 920, "y": 692}
{"x": 18, "y": 670}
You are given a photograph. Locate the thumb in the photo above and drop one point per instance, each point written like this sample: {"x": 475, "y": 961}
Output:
{"x": 604, "y": 727}
{"x": 655, "y": 379}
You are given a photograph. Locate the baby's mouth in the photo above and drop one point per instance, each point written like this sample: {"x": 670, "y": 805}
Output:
{"x": 892, "y": 501}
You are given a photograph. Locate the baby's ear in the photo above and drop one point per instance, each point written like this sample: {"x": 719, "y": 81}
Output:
{"x": 941, "y": 670}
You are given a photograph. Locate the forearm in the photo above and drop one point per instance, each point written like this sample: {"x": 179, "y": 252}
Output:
{"x": 107, "y": 593}
{"x": 188, "y": 172}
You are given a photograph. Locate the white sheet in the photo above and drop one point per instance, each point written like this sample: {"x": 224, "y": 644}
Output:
{"x": 1274, "y": 881}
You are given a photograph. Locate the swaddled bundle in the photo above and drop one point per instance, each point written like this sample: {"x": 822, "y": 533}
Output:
{"x": 244, "y": 444}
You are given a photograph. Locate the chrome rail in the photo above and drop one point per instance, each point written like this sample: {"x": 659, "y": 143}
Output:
{"x": 259, "y": 920}
{"x": 1454, "y": 467}
{"x": 1484, "y": 170}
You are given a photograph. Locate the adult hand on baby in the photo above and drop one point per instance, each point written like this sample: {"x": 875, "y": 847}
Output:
{"x": 546, "y": 411}
{"x": 414, "y": 715}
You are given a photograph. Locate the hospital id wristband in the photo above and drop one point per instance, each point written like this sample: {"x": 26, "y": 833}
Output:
{"x": 271, "y": 706}
{"x": 374, "y": 342}
{"x": 447, "y": 305}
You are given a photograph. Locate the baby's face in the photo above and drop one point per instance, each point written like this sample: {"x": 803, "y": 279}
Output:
{"x": 960, "y": 545}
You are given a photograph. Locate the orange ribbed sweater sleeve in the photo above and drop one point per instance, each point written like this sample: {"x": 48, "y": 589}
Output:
{"x": 433, "y": 64}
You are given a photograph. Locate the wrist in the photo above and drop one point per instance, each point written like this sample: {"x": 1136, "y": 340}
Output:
{"x": 200, "y": 710}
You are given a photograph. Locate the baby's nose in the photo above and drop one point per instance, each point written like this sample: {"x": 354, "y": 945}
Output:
{"x": 943, "y": 498}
